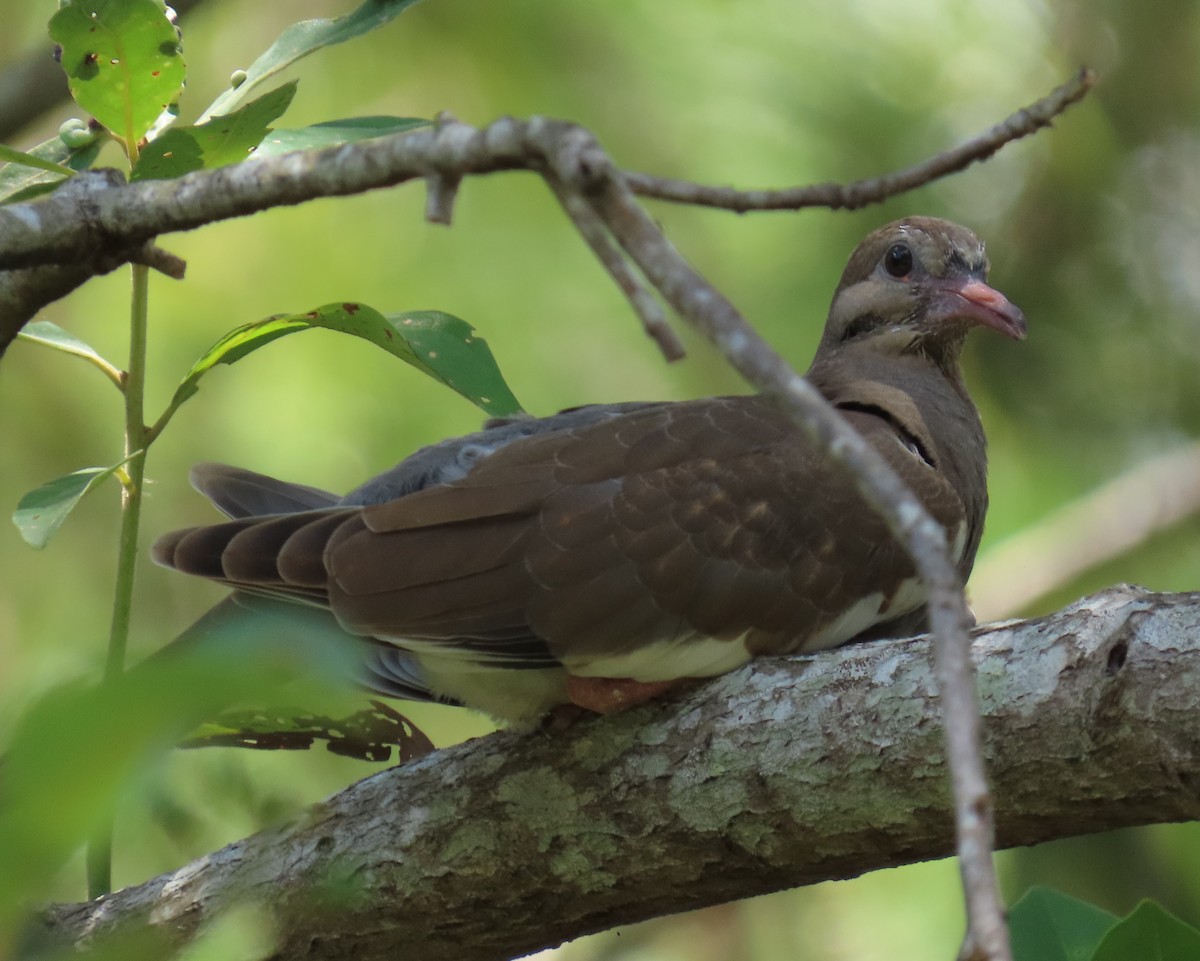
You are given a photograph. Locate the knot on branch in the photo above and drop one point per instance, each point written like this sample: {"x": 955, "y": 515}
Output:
{"x": 573, "y": 154}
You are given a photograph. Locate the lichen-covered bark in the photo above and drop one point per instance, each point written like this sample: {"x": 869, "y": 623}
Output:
{"x": 786, "y": 772}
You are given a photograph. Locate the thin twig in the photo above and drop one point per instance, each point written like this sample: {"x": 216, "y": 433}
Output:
{"x": 163, "y": 261}
{"x": 441, "y": 187}
{"x": 579, "y": 161}
{"x": 860, "y": 193}
{"x": 62, "y": 229}
{"x": 644, "y": 304}
{"x": 23, "y": 293}
{"x": 441, "y": 190}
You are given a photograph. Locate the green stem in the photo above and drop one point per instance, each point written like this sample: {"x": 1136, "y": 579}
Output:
{"x": 99, "y": 854}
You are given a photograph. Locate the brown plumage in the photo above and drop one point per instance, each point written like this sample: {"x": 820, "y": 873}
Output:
{"x": 649, "y": 542}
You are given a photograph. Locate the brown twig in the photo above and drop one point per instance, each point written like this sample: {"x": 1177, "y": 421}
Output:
{"x": 861, "y": 193}
{"x": 578, "y": 160}
{"x": 644, "y": 304}
{"x": 440, "y": 193}
{"x": 24, "y": 292}
{"x": 163, "y": 261}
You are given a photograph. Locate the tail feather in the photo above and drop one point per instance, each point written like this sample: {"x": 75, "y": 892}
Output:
{"x": 301, "y": 560}
{"x": 237, "y": 492}
{"x": 251, "y": 555}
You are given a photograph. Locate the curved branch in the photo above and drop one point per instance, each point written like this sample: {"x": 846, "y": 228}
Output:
{"x": 862, "y": 193}
{"x": 787, "y": 772}
{"x": 54, "y": 231}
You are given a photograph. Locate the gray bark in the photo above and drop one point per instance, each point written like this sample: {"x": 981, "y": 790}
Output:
{"x": 786, "y": 772}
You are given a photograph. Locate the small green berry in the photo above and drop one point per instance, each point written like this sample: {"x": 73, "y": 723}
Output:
{"x": 76, "y": 133}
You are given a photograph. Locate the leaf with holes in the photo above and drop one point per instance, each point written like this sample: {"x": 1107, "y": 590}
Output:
{"x": 441, "y": 345}
{"x": 222, "y": 140}
{"x": 448, "y": 350}
{"x": 122, "y": 59}
{"x": 367, "y": 735}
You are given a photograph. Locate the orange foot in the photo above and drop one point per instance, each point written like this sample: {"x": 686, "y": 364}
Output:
{"x": 607, "y": 695}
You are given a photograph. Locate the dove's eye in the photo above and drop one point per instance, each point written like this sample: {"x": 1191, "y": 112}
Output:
{"x": 898, "y": 261}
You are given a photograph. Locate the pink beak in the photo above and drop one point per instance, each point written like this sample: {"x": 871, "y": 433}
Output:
{"x": 974, "y": 301}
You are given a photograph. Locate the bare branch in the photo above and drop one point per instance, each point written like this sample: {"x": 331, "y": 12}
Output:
{"x": 62, "y": 228}
{"x": 580, "y": 162}
{"x": 56, "y": 230}
{"x": 165, "y": 262}
{"x": 758, "y": 781}
{"x": 592, "y": 229}
{"x": 441, "y": 187}
{"x": 861, "y": 193}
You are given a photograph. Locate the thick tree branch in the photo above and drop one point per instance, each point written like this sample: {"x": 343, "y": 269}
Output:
{"x": 787, "y": 772}
{"x": 24, "y": 291}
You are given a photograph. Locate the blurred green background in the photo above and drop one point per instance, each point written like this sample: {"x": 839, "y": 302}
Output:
{"x": 1093, "y": 229}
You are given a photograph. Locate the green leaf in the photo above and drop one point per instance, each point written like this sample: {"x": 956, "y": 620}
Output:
{"x": 77, "y": 751}
{"x": 51, "y": 335}
{"x": 223, "y": 140}
{"x": 333, "y": 133}
{"x": 1047, "y": 925}
{"x": 447, "y": 349}
{"x": 42, "y": 511}
{"x": 301, "y": 39}
{"x": 1149, "y": 933}
{"x": 122, "y": 59}
{"x": 441, "y": 345}
{"x": 20, "y": 182}
{"x": 31, "y": 160}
